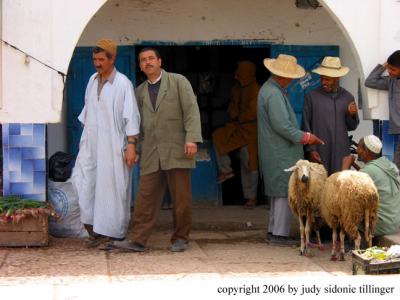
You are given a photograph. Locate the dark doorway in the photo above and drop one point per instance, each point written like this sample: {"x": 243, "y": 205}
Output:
{"x": 210, "y": 70}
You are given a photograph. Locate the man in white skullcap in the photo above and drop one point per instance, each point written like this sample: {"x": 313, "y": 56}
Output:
{"x": 385, "y": 175}
{"x": 330, "y": 113}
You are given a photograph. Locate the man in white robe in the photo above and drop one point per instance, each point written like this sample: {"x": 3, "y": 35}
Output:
{"x": 107, "y": 150}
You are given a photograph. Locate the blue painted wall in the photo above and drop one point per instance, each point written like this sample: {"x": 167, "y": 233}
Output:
{"x": 389, "y": 141}
{"x": 204, "y": 175}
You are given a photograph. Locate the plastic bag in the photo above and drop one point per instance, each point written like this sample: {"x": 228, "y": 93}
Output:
{"x": 60, "y": 166}
{"x": 64, "y": 198}
{"x": 394, "y": 251}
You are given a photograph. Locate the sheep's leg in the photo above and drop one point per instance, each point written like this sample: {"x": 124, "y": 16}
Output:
{"x": 341, "y": 253}
{"x": 357, "y": 241}
{"x": 334, "y": 241}
{"x": 321, "y": 247}
{"x": 301, "y": 234}
{"x": 308, "y": 230}
{"x": 319, "y": 244}
{"x": 367, "y": 234}
{"x": 371, "y": 237}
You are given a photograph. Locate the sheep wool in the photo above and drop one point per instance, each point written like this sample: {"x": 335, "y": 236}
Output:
{"x": 305, "y": 188}
{"x": 348, "y": 199}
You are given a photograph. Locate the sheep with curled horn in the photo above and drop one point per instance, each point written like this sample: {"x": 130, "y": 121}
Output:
{"x": 348, "y": 199}
{"x": 305, "y": 187}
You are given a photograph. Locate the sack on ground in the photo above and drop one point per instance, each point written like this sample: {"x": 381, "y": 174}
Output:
{"x": 60, "y": 166}
{"x": 64, "y": 198}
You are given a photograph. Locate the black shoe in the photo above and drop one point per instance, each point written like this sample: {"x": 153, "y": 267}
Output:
{"x": 268, "y": 237}
{"x": 179, "y": 246}
{"x": 125, "y": 245}
{"x": 283, "y": 241}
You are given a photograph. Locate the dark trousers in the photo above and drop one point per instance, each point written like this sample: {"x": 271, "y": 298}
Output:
{"x": 151, "y": 192}
{"x": 396, "y": 156}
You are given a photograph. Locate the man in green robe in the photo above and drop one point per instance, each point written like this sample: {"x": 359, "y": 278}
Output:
{"x": 279, "y": 142}
{"x": 385, "y": 175}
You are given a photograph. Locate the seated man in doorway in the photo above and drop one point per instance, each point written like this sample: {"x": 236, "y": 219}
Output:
{"x": 241, "y": 132}
{"x": 385, "y": 175}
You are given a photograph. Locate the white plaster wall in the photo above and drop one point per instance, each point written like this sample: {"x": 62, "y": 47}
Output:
{"x": 130, "y": 21}
{"x": 37, "y": 41}
{"x": 48, "y": 30}
{"x": 374, "y": 31}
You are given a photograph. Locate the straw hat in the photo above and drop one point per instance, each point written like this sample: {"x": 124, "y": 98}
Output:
{"x": 284, "y": 66}
{"x": 373, "y": 143}
{"x": 331, "y": 67}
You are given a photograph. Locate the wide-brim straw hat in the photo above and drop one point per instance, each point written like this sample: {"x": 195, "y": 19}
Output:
{"x": 331, "y": 67}
{"x": 284, "y": 66}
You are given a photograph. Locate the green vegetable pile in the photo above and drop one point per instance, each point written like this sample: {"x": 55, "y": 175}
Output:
{"x": 14, "y": 209}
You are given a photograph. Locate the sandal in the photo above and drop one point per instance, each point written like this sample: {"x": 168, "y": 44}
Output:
{"x": 224, "y": 177}
{"x": 251, "y": 203}
{"x": 95, "y": 241}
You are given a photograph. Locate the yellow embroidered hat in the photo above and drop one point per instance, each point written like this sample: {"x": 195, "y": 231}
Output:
{"x": 108, "y": 45}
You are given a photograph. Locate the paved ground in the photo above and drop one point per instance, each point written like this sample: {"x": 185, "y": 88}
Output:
{"x": 225, "y": 242}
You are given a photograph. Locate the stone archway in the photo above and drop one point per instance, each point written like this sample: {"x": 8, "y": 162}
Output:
{"x": 38, "y": 41}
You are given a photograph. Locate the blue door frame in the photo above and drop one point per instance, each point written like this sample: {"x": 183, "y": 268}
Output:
{"x": 204, "y": 176}
{"x": 81, "y": 68}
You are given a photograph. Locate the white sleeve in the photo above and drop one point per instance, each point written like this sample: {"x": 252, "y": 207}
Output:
{"x": 131, "y": 112}
{"x": 82, "y": 115}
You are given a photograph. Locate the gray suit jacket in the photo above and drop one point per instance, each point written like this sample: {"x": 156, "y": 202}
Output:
{"x": 165, "y": 129}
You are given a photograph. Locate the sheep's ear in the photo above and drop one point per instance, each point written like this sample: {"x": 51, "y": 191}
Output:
{"x": 291, "y": 169}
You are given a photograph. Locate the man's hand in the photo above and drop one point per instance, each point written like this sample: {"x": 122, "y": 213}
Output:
{"x": 131, "y": 157}
{"x": 347, "y": 161}
{"x": 352, "y": 109}
{"x": 315, "y": 157}
{"x": 190, "y": 149}
{"x": 314, "y": 140}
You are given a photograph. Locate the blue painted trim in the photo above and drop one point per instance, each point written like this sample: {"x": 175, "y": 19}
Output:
{"x": 304, "y": 50}
{"x": 253, "y": 43}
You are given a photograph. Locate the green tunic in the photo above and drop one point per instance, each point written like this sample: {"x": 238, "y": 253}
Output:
{"x": 278, "y": 138}
{"x": 386, "y": 178}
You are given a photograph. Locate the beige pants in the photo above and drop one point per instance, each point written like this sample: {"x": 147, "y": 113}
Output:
{"x": 151, "y": 192}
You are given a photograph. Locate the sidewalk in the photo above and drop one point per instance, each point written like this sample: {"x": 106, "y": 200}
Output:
{"x": 227, "y": 245}
{"x": 225, "y": 242}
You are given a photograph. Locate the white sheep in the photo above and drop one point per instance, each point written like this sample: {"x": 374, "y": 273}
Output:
{"x": 305, "y": 187}
{"x": 349, "y": 198}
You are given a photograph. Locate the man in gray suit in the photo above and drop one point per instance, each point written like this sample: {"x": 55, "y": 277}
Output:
{"x": 170, "y": 130}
